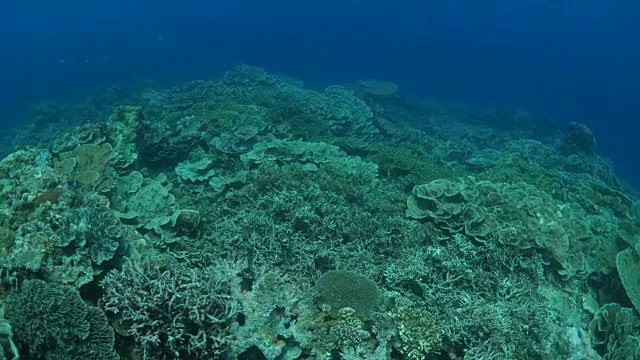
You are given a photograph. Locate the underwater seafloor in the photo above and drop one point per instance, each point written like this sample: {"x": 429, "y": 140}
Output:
{"x": 249, "y": 217}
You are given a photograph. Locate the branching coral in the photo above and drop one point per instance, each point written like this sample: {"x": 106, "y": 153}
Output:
{"x": 418, "y": 332}
{"x": 171, "y": 310}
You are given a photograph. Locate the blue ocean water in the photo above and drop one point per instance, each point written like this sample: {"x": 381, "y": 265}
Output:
{"x": 573, "y": 60}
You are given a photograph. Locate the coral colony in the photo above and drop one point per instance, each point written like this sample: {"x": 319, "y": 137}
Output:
{"x": 249, "y": 217}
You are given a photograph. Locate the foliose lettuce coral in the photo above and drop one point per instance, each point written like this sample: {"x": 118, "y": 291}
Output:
{"x": 617, "y": 329}
{"x": 55, "y": 323}
{"x": 518, "y": 215}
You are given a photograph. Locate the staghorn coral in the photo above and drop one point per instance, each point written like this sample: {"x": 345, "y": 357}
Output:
{"x": 171, "y": 310}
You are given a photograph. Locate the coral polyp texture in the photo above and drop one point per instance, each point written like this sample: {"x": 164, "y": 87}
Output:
{"x": 251, "y": 217}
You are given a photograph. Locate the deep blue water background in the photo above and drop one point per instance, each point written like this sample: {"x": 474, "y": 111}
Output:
{"x": 575, "y": 60}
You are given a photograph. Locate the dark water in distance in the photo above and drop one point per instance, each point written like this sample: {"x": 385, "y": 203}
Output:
{"x": 575, "y": 60}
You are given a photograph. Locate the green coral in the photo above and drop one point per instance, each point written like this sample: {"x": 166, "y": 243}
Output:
{"x": 336, "y": 109}
{"x": 30, "y": 246}
{"x": 247, "y": 104}
{"x": 75, "y": 270}
{"x": 93, "y": 229}
{"x": 220, "y": 183}
{"x": 518, "y": 215}
{"x": 418, "y": 332}
{"x": 628, "y": 262}
{"x": 126, "y": 186}
{"x": 398, "y": 160}
{"x": 195, "y": 171}
{"x": 269, "y": 311}
{"x": 348, "y": 331}
{"x": 123, "y": 125}
{"x": 245, "y": 125}
{"x": 309, "y": 154}
{"x": 92, "y": 168}
{"x": 616, "y": 329}
{"x": 38, "y": 247}
{"x": 346, "y": 113}
{"x": 524, "y": 160}
{"x": 54, "y": 322}
{"x": 152, "y": 205}
{"x": 7, "y": 346}
{"x": 345, "y": 289}
{"x": 70, "y": 243}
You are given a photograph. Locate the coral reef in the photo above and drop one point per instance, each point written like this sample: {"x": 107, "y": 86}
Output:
{"x": 252, "y": 217}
